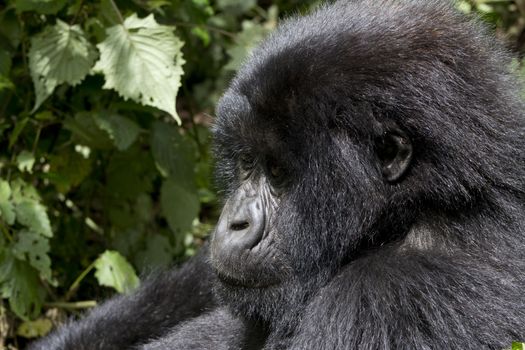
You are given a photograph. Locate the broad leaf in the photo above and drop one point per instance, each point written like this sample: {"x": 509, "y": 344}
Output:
{"x": 20, "y": 284}
{"x": 180, "y": 205}
{"x": 518, "y": 346}
{"x": 34, "y": 248}
{"x": 42, "y": 6}
{"x": 7, "y": 210}
{"x": 5, "y": 83}
{"x": 33, "y": 215}
{"x": 25, "y": 161}
{"x": 5, "y": 65}
{"x": 21, "y": 191}
{"x": 236, "y": 6}
{"x": 173, "y": 154}
{"x": 123, "y": 131}
{"x": 19, "y": 127}
{"x": 158, "y": 252}
{"x": 113, "y": 270}
{"x": 86, "y": 131}
{"x": 130, "y": 173}
{"x": 59, "y": 54}
{"x": 68, "y": 169}
{"x": 252, "y": 33}
{"x": 35, "y": 329}
{"x": 142, "y": 61}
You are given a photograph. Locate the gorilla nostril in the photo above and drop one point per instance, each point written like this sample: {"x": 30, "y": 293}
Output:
{"x": 239, "y": 225}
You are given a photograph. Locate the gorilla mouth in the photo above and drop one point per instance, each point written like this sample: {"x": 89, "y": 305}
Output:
{"x": 245, "y": 283}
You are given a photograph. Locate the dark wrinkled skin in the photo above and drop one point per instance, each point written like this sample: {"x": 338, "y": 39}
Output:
{"x": 372, "y": 160}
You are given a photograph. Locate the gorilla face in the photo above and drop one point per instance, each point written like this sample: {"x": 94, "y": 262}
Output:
{"x": 296, "y": 164}
{"x": 338, "y": 136}
{"x": 294, "y": 210}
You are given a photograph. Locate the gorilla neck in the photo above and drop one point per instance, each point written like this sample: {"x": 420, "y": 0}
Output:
{"x": 486, "y": 225}
{"x": 276, "y": 310}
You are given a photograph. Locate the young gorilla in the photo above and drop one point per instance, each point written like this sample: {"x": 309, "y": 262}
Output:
{"x": 372, "y": 156}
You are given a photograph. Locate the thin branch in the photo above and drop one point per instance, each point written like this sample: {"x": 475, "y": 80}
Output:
{"x": 37, "y": 138}
{"x": 213, "y": 29}
{"x": 79, "y": 279}
{"x": 86, "y": 304}
{"x": 80, "y": 6}
{"x": 117, "y": 11}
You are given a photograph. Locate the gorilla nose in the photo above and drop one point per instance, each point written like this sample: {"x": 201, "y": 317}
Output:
{"x": 239, "y": 225}
{"x": 242, "y": 224}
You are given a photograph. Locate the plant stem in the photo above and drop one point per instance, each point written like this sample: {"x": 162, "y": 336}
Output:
{"x": 72, "y": 305}
{"x": 117, "y": 11}
{"x": 5, "y": 231}
{"x": 213, "y": 29}
{"x": 79, "y": 279}
{"x": 80, "y": 5}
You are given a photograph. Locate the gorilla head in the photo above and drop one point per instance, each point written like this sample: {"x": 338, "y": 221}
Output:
{"x": 367, "y": 128}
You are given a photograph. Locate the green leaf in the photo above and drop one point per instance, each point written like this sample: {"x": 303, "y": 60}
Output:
{"x": 518, "y": 346}
{"x": 236, "y": 6}
{"x": 121, "y": 130}
{"x": 142, "y": 61}
{"x": 7, "y": 210}
{"x": 252, "y": 33}
{"x": 158, "y": 252}
{"x": 86, "y": 131}
{"x": 35, "y": 329}
{"x": 143, "y": 208}
{"x": 46, "y": 7}
{"x": 6, "y": 83}
{"x": 67, "y": 169}
{"x": 25, "y": 161}
{"x": 5, "y": 66}
{"x": 180, "y": 205}
{"x": 20, "y": 284}
{"x": 34, "y": 248}
{"x": 174, "y": 155}
{"x": 45, "y": 116}
{"x": 130, "y": 173}
{"x": 21, "y": 191}
{"x": 202, "y": 34}
{"x": 59, "y": 54}
{"x": 19, "y": 127}
{"x": 113, "y": 270}
{"x": 33, "y": 215}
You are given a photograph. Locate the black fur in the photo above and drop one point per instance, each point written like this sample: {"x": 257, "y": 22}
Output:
{"x": 160, "y": 303}
{"x": 433, "y": 260}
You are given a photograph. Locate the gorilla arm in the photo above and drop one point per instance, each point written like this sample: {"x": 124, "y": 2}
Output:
{"x": 400, "y": 298}
{"x": 163, "y": 301}
{"x": 217, "y": 330}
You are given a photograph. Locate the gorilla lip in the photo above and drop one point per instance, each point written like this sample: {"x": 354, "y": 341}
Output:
{"x": 241, "y": 283}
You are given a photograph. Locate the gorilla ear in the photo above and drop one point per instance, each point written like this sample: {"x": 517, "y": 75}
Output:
{"x": 394, "y": 150}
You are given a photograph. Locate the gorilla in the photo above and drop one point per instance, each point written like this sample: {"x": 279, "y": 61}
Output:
{"x": 372, "y": 160}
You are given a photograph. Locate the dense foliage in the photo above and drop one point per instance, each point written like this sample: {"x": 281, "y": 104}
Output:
{"x": 105, "y": 169}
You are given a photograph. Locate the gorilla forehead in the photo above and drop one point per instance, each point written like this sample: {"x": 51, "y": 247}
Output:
{"x": 398, "y": 54}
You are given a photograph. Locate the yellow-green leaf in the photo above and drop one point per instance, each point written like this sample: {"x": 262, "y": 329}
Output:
{"x": 59, "y": 54}
{"x": 35, "y": 329}
{"x": 142, "y": 61}
{"x": 113, "y": 270}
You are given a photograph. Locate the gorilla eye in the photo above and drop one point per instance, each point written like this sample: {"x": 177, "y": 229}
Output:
{"x": 246, "y": 164}
{"x": 276, "y": 174}
{"x": 276, "y": 171}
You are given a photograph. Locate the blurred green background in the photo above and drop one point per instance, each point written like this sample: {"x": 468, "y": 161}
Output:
{"x": 105, "y": 164}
